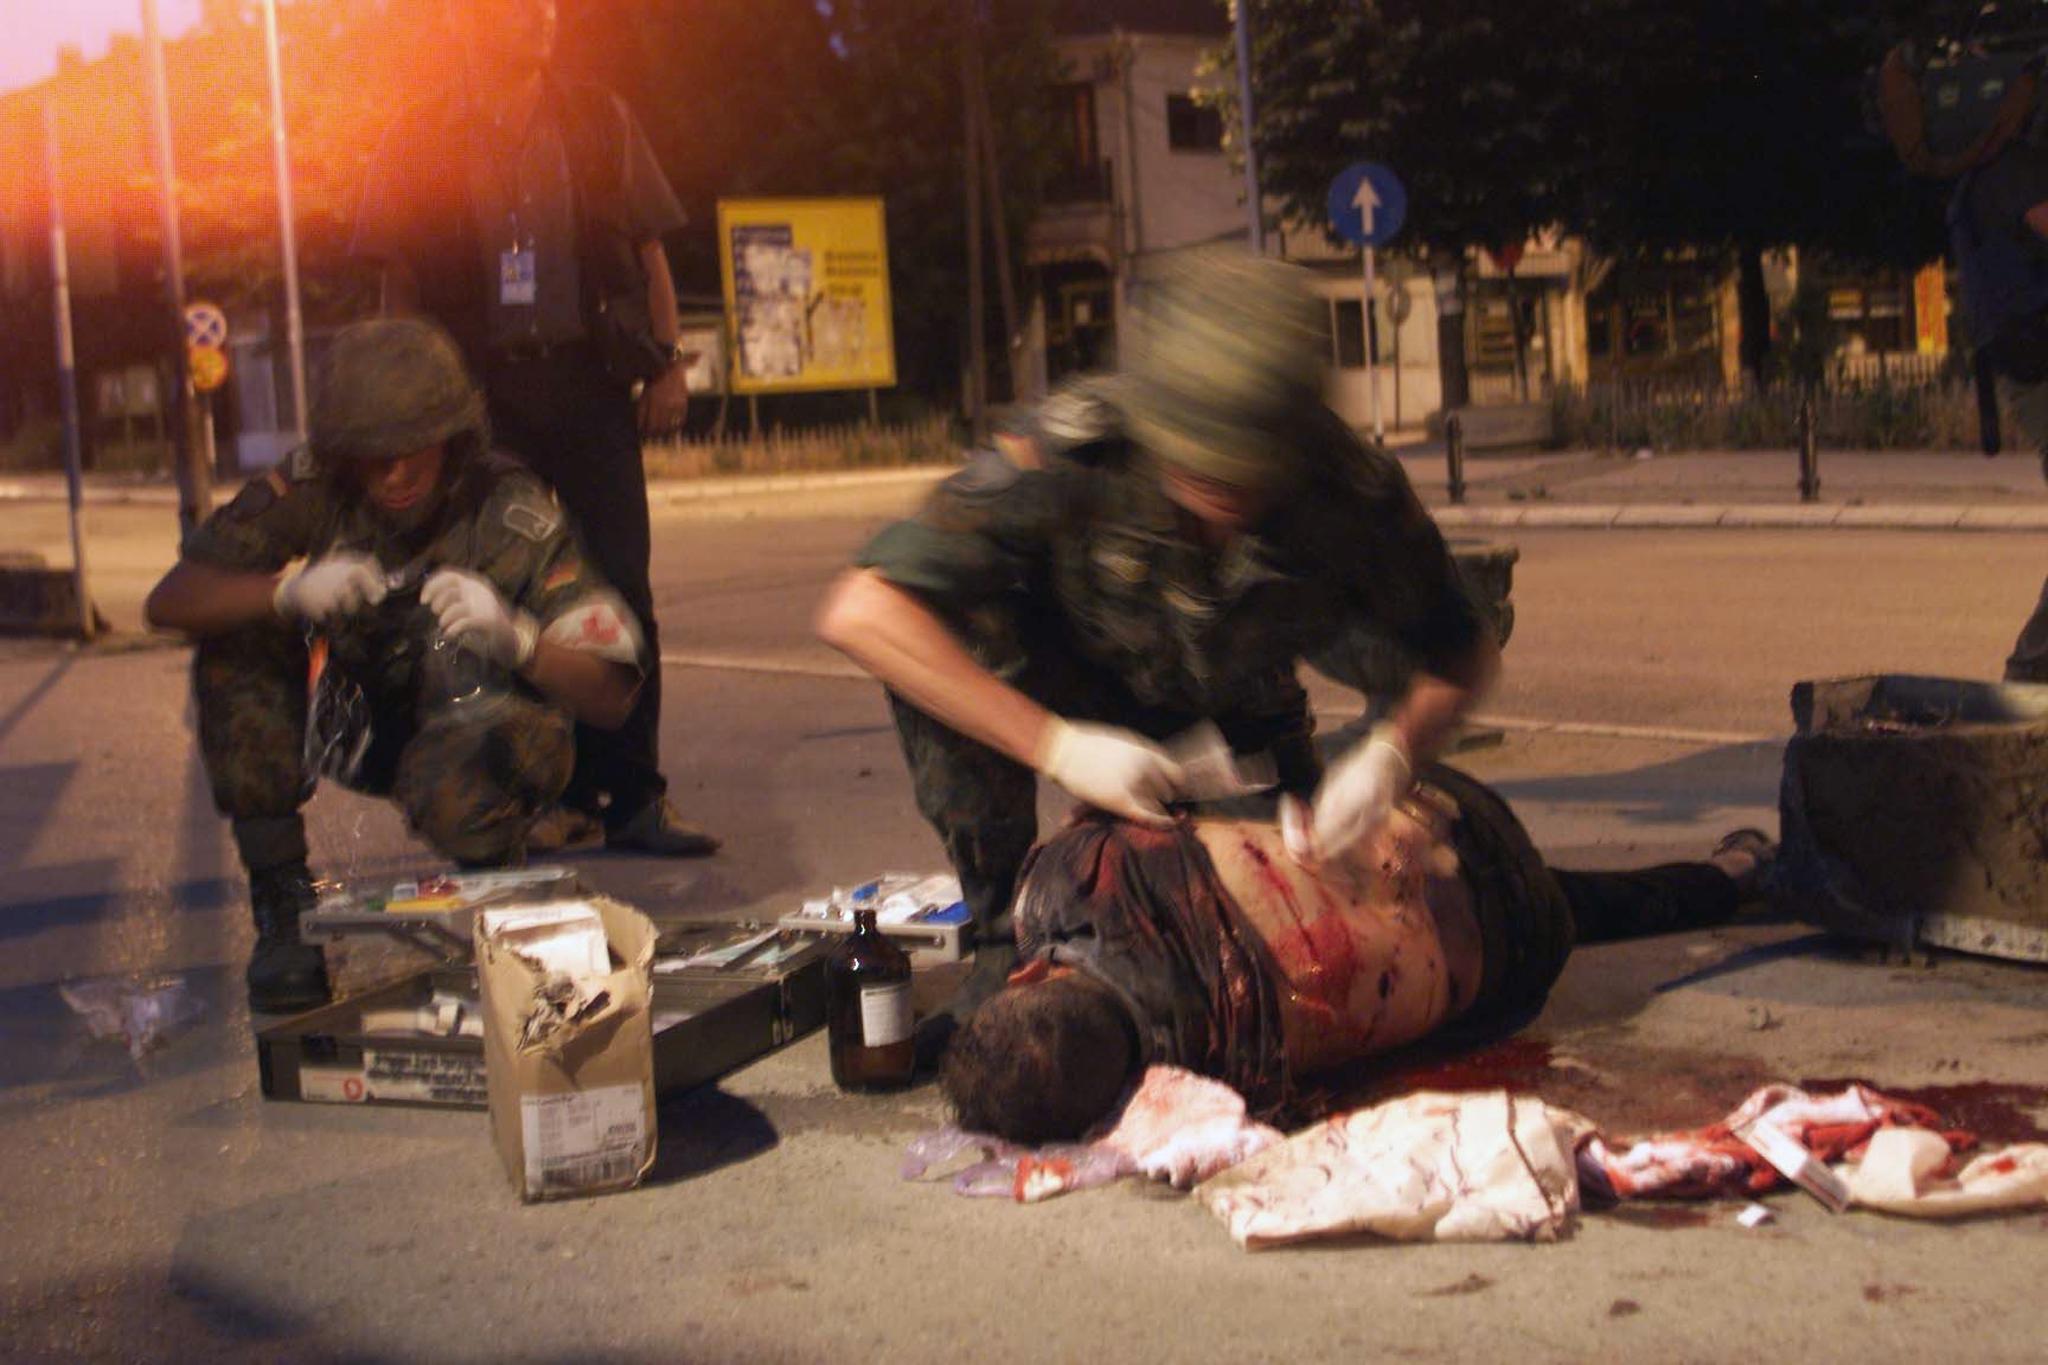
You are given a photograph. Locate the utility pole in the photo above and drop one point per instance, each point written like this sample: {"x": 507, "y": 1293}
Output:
{"x": 191, "y": 457}
{"x": 67, "y": 369}
{"x": 294, "y": 324}
{"x": 999, "y": 223}
{"x": 977, "y": 307}
{"x": 1241, "y": 21}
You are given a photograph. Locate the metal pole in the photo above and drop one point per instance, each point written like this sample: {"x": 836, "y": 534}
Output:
{"x": 1454, "y": 456}
{"x": 1241, "y": 21}
{"x": 1809, "y": 451}
{"x": 67, "y": 370}
{"x": 1372, "y": 371}
{"x": 294, "y": 324}
{"x": 1006, "y": 288}
{"x": 195, "y": 476}
{"x": 977, "y": 308}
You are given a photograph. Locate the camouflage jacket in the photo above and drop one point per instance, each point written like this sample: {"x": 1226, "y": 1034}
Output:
{"x": 1071, "y": 515}
{"x": 500, "y": 522}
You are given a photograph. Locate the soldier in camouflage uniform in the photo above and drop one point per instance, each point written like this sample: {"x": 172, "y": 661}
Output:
{"x": 455, "y": 628}
{"x": 1151, "y": 550}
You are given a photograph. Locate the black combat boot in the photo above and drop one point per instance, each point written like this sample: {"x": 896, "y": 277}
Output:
{"x": 285, "y": 974}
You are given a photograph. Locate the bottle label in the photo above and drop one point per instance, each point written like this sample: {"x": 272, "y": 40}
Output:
{"x": 884, "y": 1014}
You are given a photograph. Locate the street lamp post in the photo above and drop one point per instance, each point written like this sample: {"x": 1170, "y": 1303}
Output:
{"x": 294, "y": 324}
{"x": 194, "y": 468}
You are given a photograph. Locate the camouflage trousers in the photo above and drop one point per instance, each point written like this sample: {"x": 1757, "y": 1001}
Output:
{"x": 985, "y": 805}
{"x": 470, "y": 777}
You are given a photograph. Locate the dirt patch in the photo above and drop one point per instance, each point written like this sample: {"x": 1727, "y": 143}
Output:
{"x": 1661, "y": 1216}
{"x": 1623, "y": 1308}
{"x": 1471, "y": 1284}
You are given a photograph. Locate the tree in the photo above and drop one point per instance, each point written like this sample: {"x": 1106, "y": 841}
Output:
{"x": 1736, "y": 127}
{"x": 1716, "y": 128}
{"x": 1486, "y": 108}
{"x": 752, "y": 97}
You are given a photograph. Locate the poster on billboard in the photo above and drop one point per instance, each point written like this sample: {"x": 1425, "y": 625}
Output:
{"x": 806, "y": 294}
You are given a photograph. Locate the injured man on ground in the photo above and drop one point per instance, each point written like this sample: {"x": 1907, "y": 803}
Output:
{"x": 1207, "y": 945}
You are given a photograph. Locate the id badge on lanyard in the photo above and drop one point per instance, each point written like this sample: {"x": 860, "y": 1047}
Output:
{"x": 517, "y": 282}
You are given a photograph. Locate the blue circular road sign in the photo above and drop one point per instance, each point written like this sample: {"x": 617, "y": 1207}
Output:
{"x": 1367, "y": 204}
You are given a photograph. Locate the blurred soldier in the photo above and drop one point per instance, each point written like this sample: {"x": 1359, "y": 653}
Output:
{"x": 525, "y": 214}
{"x": 459, "y": 627}
{"x": 1152, "y": 550}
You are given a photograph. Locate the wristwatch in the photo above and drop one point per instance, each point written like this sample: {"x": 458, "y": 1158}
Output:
{"x": 676, "y": 352}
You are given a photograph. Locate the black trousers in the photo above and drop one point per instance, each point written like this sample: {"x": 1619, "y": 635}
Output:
{"x": 2029, "y": 661}
{"x": 1609, "y": 906}
{"x": 575, "y": 426}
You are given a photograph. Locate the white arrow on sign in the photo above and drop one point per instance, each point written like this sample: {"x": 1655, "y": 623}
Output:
{"x": 1366, "y": 201}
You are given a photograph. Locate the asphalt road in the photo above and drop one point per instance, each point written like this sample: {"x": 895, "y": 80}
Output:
{"x": 162, "y": 1210}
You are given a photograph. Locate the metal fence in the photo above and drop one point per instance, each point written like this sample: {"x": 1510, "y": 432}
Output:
{"x": 853, "y": 445}
{"x": 1869, "y": 402}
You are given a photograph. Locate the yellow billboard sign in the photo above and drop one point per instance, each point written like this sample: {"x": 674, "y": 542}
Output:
{"x": 806, "y": 294}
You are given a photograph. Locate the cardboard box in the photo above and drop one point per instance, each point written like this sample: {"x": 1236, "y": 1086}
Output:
{"x": 569, "y": 1063}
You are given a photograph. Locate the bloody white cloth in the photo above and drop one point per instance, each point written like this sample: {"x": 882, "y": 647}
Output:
{"x": 1715, "y": 1160}
{"x": 1483, "y": 1166}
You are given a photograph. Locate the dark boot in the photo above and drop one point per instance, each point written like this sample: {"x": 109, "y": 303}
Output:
{"x": 656, "y": 828}
{"x": 285, "y": 975}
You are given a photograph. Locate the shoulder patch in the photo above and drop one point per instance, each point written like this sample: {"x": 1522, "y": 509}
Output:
{"x": 300, "y": 465}
{"x": 535, "y": 523}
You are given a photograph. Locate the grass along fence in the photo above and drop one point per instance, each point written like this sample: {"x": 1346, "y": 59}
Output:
{"x": 856, "y": 445}
{"x": 1924, "y": 408}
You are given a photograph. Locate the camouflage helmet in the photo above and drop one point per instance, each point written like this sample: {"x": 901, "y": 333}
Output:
{"x": 1228, "y": 347}
{"x": 390, "y": 387}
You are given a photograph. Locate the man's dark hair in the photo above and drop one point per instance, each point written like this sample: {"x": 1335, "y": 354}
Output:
{"x": 1040, "y": 1063}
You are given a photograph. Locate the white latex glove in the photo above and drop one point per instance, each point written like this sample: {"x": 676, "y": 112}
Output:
{"x": 473, "y": 615}
{"x": 1359, "y": 791}
{"x": 1111, "y": 768}
{"x": 333, "y": 586}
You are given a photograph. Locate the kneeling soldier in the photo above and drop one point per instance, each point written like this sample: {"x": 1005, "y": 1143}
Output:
{"x": 445, "y": 632}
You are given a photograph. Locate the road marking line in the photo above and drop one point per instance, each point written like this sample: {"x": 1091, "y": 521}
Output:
{"x": 1614, "y": 731}
{"x": 760, "y": 663}
{"x": 801, "y": 668}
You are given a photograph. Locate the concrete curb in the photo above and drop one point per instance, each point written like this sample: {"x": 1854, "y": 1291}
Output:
{"x": 1749, "y": 517}
{"x": 662, "y": 492}
{"x": 1517, "y": 516}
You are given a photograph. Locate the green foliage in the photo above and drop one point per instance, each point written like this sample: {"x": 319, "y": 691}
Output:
{"x": 1644, "y": 125}
{"x": 768, "y": 97}
{"x": 928, "y": 440}
{"x": 1880, "y": 415}
{"x": 1485, "y": 108}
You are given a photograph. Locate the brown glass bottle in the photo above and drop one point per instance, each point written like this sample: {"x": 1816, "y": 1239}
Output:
{"x": 867, "y": 1019}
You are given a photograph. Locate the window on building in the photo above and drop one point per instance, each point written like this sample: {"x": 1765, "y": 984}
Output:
{"x": 1347, "y": 331}
{"x": 1079, "y": 174}
{"x": 1192, "y": 127}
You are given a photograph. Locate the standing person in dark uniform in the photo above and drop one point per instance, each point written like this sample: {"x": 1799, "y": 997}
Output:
{"x": 459, "y": 626}
{"x": 1153, "y": 550}
{"x": 1998, "y": 225}
{"x": 526, "y": 214}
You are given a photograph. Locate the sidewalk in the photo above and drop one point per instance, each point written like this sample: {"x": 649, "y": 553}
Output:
{"x": 1864, "y": 490}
